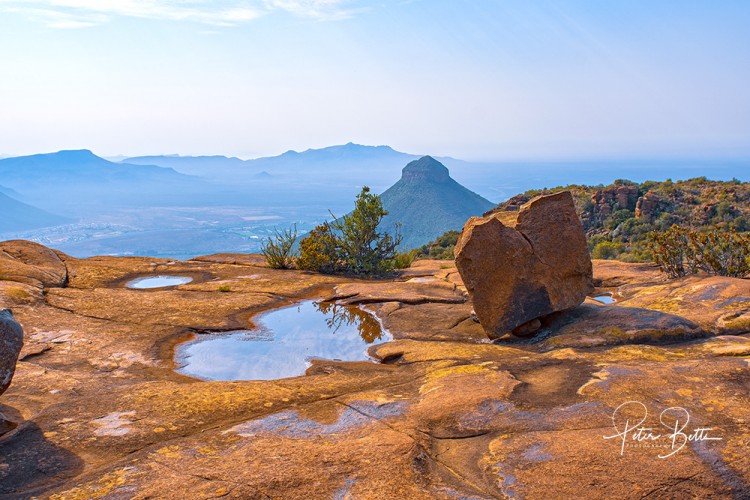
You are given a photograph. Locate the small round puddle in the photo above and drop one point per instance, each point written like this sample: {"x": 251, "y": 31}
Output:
{"x": 283, "y": 344}
{"x": 157, "y": 282}
{"x": 605, "y": 298}
{"x": 422, "y": 279}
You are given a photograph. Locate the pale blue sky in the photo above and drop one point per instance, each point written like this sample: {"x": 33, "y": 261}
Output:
{"x": 486, "y": 79}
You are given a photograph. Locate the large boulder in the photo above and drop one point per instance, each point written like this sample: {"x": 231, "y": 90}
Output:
{"x": 521, "y": 266}
{"x": 11, "y": 341}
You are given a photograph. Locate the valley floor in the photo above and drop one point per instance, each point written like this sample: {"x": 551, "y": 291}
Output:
{"x": 101, "y": 413}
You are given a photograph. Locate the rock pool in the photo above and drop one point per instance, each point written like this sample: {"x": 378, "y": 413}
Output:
{"x": 157, "y": 282}
{"x": 607, "y": 298}
{"x": 283, "y": 343}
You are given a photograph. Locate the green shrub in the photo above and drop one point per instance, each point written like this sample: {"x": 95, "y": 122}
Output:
{"x": 637, "y": 251}
{"x": 441, "y": 248}
{"x": 724, "y": 253}
{"x": 351, "y": 244}
{"x": 366, "y": 251}
{"x": 699, "y": 203}
{"x": 319, "y": 251}
{"x": 594, "y": 240}
{"x": 225, "y": 288}
{"x": 619, "y": 217}
{"x": 607, "y": 250}
{"x": 404, "y": 260}
{"x": 279, "y": 250}
{"x": 741, "y": 224}
{"x": 680, "y": 251}
{"x": 670, "y": 249}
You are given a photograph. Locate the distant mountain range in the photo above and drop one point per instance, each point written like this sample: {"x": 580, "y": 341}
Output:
{"x": 73, "y": 167}
{"x": 427, "y": 202}
{"x": 337, "y": 172}
{"x": 18, "y": 216}
{"x": 343, "y": 160}
{"x": 158, "y": 195}
{"x": 192, "y": 165}
{"x": 79, "y": 181}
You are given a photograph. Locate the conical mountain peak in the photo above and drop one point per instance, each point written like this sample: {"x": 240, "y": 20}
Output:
{"x": 426, "y": 202}
{"x": 426, "y": 168}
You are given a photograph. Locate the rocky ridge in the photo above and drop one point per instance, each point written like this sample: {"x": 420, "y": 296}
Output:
{"x": 618, "y": 218}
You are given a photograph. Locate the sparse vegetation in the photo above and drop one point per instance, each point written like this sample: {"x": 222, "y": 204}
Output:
{"x": 680, "y": 251}
{"x": 279, "y": 250}
{"x": 607, "y": 250}
{"x": 351, "y": 244}
{"x": 619, "y": 218}
{"x": 404, "y": 260}
{"x": 441, "y": 248}
{"x": 669, "y": 250}
{"x": 225, "y": 288}
{"x": 319, "y": 251}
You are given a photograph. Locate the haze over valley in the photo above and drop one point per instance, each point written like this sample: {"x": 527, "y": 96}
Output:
{"x": 181, "y": 206}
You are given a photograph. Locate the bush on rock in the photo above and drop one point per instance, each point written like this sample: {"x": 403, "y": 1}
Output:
{"x": 351, "y": 244}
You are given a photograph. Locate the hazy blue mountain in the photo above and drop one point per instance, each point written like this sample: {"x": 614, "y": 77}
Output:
{"x": 332, "y": 155}
{"x": 331, "y": 175}
{"x": 337, "y": 173}
{"x": 10, "y": 192}
{"x": 193, "y": 165}
{"x": 72, "y": 167}
{"x": 427, "y": 202}
{"x": 79, "y": 182}
{"x": 18, "y": 216}
{"x": 130, "y": 208}
{"x": 344, "y": 162}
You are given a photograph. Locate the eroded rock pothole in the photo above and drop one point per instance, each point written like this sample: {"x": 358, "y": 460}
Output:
{"x": 163, "y": 281}
{"x": 284, "y": 343}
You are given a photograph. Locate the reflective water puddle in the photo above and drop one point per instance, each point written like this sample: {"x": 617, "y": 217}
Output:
{"x": 605, "y": 299}
{"x": 283, "y": 344}
{"x": 157, "y": 282}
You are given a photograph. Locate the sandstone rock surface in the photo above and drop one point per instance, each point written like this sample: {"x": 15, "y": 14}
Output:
{"x": 32, "y": 264}
{"x": 442, "y": 413}
{"x": 11, "y": 342}
{"x": 521, "y": 266}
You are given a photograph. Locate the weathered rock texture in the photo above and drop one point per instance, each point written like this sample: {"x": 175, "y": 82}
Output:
{"x": 521, "y": 266}
{"x": 444, "y": 414}
{"x": 11, "y": 342}
{"x": 608, "y": 201}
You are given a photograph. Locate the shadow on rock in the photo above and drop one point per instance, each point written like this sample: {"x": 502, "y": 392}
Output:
{"x": 591, "y": 325}
{"x": 30, "y": 464}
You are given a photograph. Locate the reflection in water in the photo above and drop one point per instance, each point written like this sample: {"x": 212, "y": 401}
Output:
{"x": 283, "y": 344}
{"x": 368, "y": 327}
{"x": 605, "y": 299}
